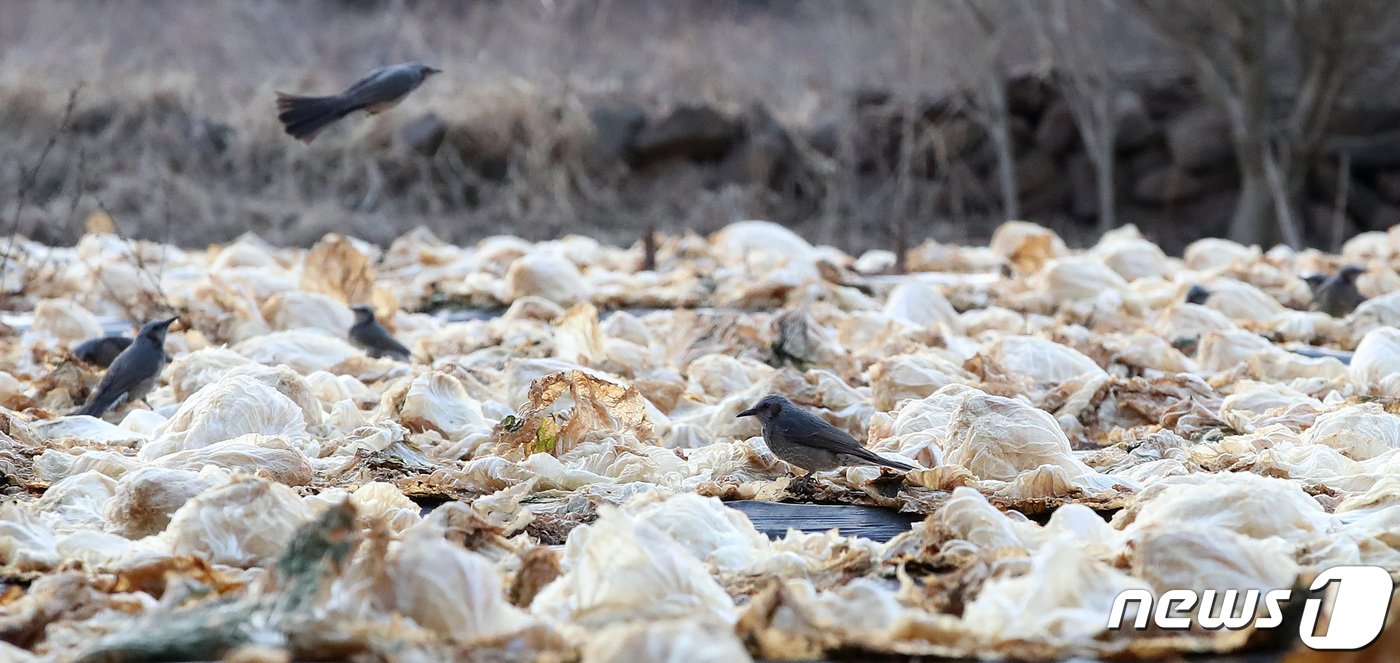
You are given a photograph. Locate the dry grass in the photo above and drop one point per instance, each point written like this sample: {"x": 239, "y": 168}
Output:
{"x": 177, "y": 138}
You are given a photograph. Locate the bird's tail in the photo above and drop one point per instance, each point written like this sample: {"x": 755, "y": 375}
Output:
{"x": 304, "y": 117}
{"x": 877, "y": 459}
{"x": 894, "y": 464}
{"x": 93, "y": 408}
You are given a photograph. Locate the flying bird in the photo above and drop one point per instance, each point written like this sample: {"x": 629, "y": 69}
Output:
{"x": 134, "y": 372}
{"x": 807, "y": 442}
{"x": 1338, "y": 296}
{"x": 373, "y": 338}
{"x": 382, "y": 89}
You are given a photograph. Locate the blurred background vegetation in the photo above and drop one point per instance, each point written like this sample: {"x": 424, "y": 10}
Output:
{"x": 859, "y": 123}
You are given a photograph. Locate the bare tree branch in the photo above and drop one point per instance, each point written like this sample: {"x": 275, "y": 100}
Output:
{"x": 26, "y": 182}
{"x": 1238, "y": 49}
{"x": 1072, "y": 37}
{"x": 984, "y": 75}
{"x": 1339, "y": 209}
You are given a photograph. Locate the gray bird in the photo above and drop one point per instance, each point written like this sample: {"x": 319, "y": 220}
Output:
{"x": 1338, "y": 296}
{"x": 809, "y": 443}
{"x": 382, "y": 89}
{"x": 1314, "y": 281}
{"x": 133, "y": 372}
{"x": 1197, "y": 295}
{"x": 101, "y": 351}
{"x": 373, "y": 338}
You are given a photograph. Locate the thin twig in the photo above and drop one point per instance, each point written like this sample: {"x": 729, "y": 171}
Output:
{"x": 649, "y": 249}
{"x": 31, "y": 276}
{"x": 26, "y": 182}
{"x": 140, "y": 262}
{"x": 1282, "y": 207}
{"x": 1339, "y": 211}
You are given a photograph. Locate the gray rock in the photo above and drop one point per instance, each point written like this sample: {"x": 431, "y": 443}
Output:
{"x": 1200, "y": 139}
{"x": 1361, "y": 120}
{"x": 1362, "y": 202}
{"x": 1380, "y": 151}
{"x": 614, "y": 129}
{"x": 1173, "y": 227}
{"x": 1049, "y": 200}
{"x": 1083, "y": 187}
{"x": 1028, "y": 94}
{"x": 1142, "y": 163}
{"x": 1022, "y": 134}
{"x": 825, "y": 136}
{"x": 424, "y": 134}
{"x": 486, "y": 155}
{"x": 764, "y": 156}
{"x": 93, "y": 118}
{"x": 1388, "y": 185}
{"x": 1170, "y": 184}
{"x": 1136, "y": 128}
{"x": 1056, "y": 132}
{"x": 957, "y": 137}
{"x": 1035, "y": 172}
{"x": 1383, "y": 217}
{"x": 211, "y": 135}
{"x": 697, "y": 133}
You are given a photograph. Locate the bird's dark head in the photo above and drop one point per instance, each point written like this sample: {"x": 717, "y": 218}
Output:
{"x": 425, "y": 71}
{"x": 363, "y": 314}
{"x": 768, "y": 408}
{"x": 1314, "y": 280}
{"x": 1197, "y": 294}
{"x": 1349, "y": 273}
{"x": 155, "y": 330}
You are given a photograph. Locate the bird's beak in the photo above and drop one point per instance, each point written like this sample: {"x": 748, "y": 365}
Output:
{"x": 168, "y": 322}
{"x": 746, "y": 413}
{"x": 432, "y": 70}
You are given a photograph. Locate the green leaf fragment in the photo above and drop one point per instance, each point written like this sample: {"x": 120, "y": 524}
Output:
{"x": 546, "y": 436}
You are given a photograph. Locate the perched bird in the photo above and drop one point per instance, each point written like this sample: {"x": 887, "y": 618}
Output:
{"x": 1344, "y": 356}
{"x": 807, "y": 442}
{"x": 101, "y": 351}
{"x": 373, "y": 338}
{"x": 382, "y": 89}
{"x": 1338, "y": 296}
{"x": 1197, "y": 295}
{"x": 133, "y": 372}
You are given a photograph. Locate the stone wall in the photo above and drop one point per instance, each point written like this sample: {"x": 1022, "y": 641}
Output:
{"x": 1176, "y": 174}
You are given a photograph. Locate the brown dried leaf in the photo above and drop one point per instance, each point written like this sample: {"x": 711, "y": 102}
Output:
{"x": 538, "y": 567}
{"x": 599, "y": 406}
{"x": 335, "y": 267}
{"x": 152, "y": 575}
{"x": 800, "y": 638}
{"x": 99, "y": 223}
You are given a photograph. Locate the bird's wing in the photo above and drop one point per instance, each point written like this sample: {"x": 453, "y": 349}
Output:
{"x": 815, "y": 432}
{"x": 376, "y": 337}
{"x": 121, "y": 377}
{"x": 395, "y": 347}
{"x": 87, "y": 350}
{"x": 365, "y": 82}
{"x": 381, "y": 85}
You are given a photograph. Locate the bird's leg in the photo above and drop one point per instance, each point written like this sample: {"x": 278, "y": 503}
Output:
{"x": 807, "y": 481}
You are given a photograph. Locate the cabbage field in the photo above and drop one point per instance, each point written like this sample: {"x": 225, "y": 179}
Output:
{"x": 547, "y": 479}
